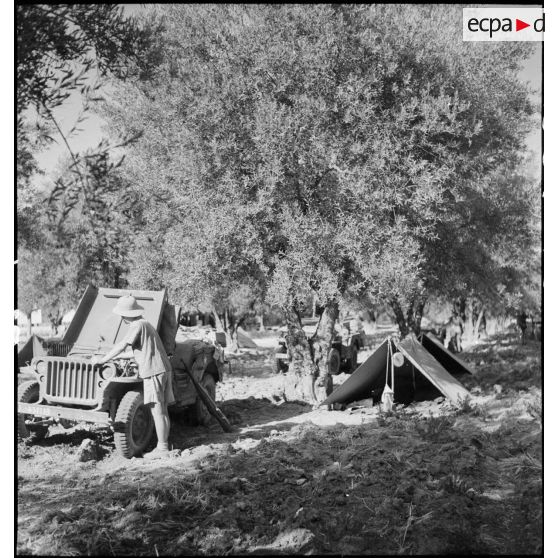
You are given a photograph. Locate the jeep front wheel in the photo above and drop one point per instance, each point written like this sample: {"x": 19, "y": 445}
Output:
{"x": 28, "y": 392}
{"x": 134, "y": 426}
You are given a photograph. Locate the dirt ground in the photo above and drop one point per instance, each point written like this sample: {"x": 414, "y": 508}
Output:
{"x": 426, "y": 478}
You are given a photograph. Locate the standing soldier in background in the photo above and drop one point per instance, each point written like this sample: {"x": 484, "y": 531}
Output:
{"x": 522, "y": 325}
{"x": 153, "y": 365}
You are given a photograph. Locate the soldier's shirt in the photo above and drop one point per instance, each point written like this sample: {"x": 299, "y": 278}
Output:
{"x": 148, "y": 349}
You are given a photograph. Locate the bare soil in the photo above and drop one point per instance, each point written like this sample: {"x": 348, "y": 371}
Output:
{"x": 424, "y": 479}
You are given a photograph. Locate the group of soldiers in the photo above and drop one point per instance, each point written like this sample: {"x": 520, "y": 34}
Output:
{"x": 451, "y": 332}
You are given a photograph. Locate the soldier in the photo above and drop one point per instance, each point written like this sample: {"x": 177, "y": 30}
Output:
{"x": 522, "y": 325}
{"x": 153, "y": 365}
{"x": 452, "y": 331}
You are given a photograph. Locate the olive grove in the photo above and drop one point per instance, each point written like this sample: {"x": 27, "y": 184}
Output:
{"x": 281, "y": 154}
{"x": 339, "y": 151}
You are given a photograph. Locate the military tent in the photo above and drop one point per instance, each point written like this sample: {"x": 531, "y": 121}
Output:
{"x": 245, "y": 342}
{"x": 423, "y": 369}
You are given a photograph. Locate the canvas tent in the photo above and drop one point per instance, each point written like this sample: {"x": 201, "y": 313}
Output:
{"x": 244, "y": 342}
{"x": 427, "y": 368}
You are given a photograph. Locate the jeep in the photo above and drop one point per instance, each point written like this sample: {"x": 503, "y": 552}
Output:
{"x": 67, "y": 388}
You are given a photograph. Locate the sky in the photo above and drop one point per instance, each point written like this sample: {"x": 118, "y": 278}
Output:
{"x": 93, "y": 126}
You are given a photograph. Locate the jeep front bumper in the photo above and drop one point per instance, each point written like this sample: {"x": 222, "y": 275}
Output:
{"x": 63, "y": 412}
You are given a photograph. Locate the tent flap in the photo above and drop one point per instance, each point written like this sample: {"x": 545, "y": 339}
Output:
{"x": 359, "y": 385}
{"x": 447, "y": 359}
{"x": 432, "y": 369}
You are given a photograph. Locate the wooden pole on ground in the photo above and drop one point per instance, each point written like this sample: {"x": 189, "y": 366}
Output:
{"x": 210, "y": 404}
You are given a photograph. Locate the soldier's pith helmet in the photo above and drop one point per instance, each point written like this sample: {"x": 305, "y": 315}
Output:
{"x": 128, "y": 307}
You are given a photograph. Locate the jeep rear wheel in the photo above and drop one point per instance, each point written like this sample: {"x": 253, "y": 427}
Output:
{"x": 134, "y": 426}
{"x": 201, "y": 414}
{"x": 28, "y": 392}
{"x": 334, "y": 362}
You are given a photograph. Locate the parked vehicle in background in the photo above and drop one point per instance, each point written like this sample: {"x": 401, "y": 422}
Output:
{"x": 349, "y": 339}
{"x": 69, "y": 388}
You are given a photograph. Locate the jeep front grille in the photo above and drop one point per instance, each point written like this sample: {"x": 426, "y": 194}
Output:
{"x": 70, "y": 381}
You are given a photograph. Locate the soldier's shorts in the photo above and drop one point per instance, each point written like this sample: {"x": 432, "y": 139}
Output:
{"x": 158, "y": 389}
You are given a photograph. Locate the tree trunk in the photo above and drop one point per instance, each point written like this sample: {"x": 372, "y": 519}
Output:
{"x": 460, "y": 307}
{"x": 300, "y": 378}
{"x": 469, "y": 321}
{"x": 29, "y": 326}
{"x": 373, "y": 320}
{"x": 231, "y": 329}
{"x": 411, "y": 322}
{"x": 234, "y": 338}
{"x": 322, "y": 348}
{"x": 477, "y": 324}
{"x": 218, "y": 323}
{"x": 414, "y": 315}
{"x": 400, "y": 318}
{"x": 225, "y": 322}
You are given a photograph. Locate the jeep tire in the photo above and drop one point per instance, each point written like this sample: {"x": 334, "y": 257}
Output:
{"x": 281, "y": 366}
{"x": 334, "y": 362}
{"x": 353, "y": 358}
{"x": 28, "y": 392}
{"x": 202, "y": 416}
{"x": 134, "y": 427}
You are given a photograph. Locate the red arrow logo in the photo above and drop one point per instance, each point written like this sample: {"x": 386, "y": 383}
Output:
{"x": 519, "y": 25}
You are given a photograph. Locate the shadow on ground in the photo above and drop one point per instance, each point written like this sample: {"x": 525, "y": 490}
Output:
{"x": 407, "y": 484}
{"x": 410, "y": 486}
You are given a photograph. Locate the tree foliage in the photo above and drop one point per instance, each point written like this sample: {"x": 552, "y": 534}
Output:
{"x": 74, "y": 231}
{"x": 60, "y": 48}
{"x": 329, "y": 151}
{"x": 359, "y": 151}
{"x": 59, "y": 44}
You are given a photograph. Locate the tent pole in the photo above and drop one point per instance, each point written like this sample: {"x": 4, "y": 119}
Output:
{"x": 387, "y": 360}
{"x": 392, "y": 372}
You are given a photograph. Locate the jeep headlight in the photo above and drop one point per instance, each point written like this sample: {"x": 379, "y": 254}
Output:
{"x": 41, "y": 367}
{"x": 108, "y": 371}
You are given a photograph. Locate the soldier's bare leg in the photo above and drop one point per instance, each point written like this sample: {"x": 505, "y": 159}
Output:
{"x": 162, "y": 428}
{"x": 162, "y": 424}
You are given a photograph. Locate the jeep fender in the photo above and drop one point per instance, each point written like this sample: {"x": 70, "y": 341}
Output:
{"x": 115, "y": 389}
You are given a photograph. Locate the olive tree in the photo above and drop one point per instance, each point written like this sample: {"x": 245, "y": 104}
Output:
{"x": 325, "y": 152}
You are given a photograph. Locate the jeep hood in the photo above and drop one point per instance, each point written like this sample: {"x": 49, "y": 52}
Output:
{"x": 95, "y": 327}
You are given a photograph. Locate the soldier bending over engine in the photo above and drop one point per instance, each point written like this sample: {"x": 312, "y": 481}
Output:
{"x": 153, "y": 365}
